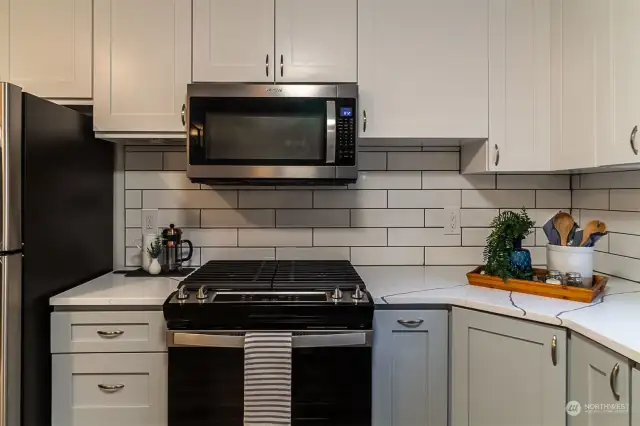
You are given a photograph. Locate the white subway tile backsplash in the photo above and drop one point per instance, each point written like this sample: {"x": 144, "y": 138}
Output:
{"x": 553, "y": 198}
{"x": 237, "y": 253}
{"x": 477, "y": 237}
{"x": 471, "y": 256}
{"x": 312, "y": 218}
{"x": 455, "y": 180}
{"x": 501, "y": 198}
{"x": 540, "y": 216}
{"x": 477, "y": 217}
{"x": 179, "y": 217}
{"x": 387, "y": 255}
{"x": 619, "y": 266}
{"x": 372, "y": 160}
{"x": 590, "y": 199}
{"x": 158, "y": 180}
{"x": 427, "y": 199}
{"x": 133, "y": 199}
{"x": 613, "y": 180}
{"x": 434, "y": 218}
{"x": 388, "y": 180}
{"x": 201, "y": 199}
{"x": 251, "y": 237}
{"x": 211, "y": 237}
{"x": 133, "y": 237}
{"x": 623, "y": 244}
{"x": 533, "y": 181}
{"x": 275, "y": 199}
{"x": 174, "y": 161}
{"x": 625, "y": 199}
{"x": 133, "y": 218}
{"x": 432, "y": 237}
{"x": 387, "y": 218}
{"x": 143, "y": 161}
{"x": 350, "y": 237}
{"x": 423, "y": 161}
{"x": 313, "y": 253}
{"x": 349, "y": 199}
{"x": 623, "y": 222}
{"x": 238, "y": 218}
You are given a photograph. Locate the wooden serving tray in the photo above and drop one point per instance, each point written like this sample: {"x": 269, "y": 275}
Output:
{"x": 556, "y": 291}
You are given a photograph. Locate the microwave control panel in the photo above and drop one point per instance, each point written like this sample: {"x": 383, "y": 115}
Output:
{"x": 346, "y": 136}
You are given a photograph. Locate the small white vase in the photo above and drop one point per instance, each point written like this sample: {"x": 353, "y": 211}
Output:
{"x": 154, "y": 267}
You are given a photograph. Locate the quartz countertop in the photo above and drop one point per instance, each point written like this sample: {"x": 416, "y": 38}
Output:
{"x": 611, "y": 319}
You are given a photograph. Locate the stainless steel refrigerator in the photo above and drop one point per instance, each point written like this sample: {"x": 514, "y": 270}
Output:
{"x": 57, "y": 231}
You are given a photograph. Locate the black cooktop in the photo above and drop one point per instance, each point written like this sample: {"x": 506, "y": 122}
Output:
{"x": 277, "y": 275}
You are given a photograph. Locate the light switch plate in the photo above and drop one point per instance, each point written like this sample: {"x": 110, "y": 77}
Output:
{"x": 452, "y": 221}
{"x": 149, "y": 221}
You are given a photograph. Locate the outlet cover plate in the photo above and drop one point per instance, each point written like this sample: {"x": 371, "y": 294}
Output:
{"x": 150, "y": 221}
{"x": 452, "y": 221}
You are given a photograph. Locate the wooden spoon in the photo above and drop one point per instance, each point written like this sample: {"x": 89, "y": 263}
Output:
{"x": 593, "y": 227}
{"x": 564, "y": 223}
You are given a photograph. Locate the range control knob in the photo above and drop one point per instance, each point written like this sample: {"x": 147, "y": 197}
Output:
{"x": 202, "y": 293}
{"x": 182, "y": 293}
{"x": 357, "y": 294}
{"x": 336, "y": 294}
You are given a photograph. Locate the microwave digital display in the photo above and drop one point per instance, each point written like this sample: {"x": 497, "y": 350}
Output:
{"x": 346, "y": 112}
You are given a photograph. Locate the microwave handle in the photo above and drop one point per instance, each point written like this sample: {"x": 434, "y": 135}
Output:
{"x": 331, "y": 132}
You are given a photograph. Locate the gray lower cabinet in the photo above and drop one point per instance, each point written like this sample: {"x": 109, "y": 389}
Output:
{"x": 410, "y": 364}
{"x": 599, "y": 380}
{"x": 506, "y": 372}
{"x": 635, "y": 397}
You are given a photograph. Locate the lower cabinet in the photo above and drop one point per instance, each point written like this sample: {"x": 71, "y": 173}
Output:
{"x": 124, "y": 389}
{"x": 635, "y": 397}
{"x": 599, "y": 385}
{"x": 506, "y": 371}
{"x": 410, "y": 365}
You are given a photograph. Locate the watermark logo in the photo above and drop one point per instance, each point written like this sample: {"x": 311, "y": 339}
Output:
{"x": 573, "y": 408}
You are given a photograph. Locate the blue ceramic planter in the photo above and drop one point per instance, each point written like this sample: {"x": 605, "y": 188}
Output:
{"x": 520, "y": 258}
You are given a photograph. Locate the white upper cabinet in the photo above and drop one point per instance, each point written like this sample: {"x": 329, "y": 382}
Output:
{"x": 423, "y": 68}
{"x": 581, "y": 81}
{"x": 625, "y": 56}
{"x": 230, "y": 44}
{"x": 45, "y": 46}
{"x": 142, "y": 54}
{"x": 316, "y": 41}
{"x": 520, "y": 85}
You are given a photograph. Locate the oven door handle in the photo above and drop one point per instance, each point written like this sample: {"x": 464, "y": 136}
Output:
{"x": 311, "y": 340}
{"x": 331, "y": 132}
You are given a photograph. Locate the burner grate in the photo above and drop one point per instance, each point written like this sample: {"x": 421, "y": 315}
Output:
{"x": 233, "y": 275}
{"x": 316, "y": 275}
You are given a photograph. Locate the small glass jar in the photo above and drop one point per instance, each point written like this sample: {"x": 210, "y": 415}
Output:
{"x": 553, "y": 277}
{"x": 574, "y": 279}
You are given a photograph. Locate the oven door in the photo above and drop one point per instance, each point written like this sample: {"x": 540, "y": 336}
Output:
{"x": 251, "y": 132}
{"x": 331, "y": 378}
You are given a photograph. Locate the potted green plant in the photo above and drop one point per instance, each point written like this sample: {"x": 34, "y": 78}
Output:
{"x": 503, "y": 255}
{"x": 154, "y": 250}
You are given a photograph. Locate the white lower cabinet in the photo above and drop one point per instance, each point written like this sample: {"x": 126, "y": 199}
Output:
{"x": 506, "y": 371}
{"x": 410, "y": 364}
{"x": 635, "y": 397}
{"x": 597, "y": 377}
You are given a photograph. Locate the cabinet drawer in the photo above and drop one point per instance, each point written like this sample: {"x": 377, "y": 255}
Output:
{"x": 406, "y": 320}
{"x": 109, "y": 389}
{"x": 107, "y": 332}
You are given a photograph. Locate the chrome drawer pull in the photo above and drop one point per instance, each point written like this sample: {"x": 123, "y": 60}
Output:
{"x": 554, "y": 350}
{"x": 613, "y": 381}
{"x": 411, "y": 323}
{"x": 110, "y": 388}
{"x": 110, "y": 334}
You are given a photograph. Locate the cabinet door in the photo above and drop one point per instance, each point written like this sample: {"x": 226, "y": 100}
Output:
{"x": 635, "y": 397}
{"x": 423, "y": 68}
{"x": 591, "y": 368}
{"x": 142, "y": 64}
{"x": 126, "y": 389}
{"x": 45, "y": 46}
{"x": 503, "y": 371}
{"x": 581, "y": 81}
{"x": 410, "y": 364}
{"x": 231, "y": 45}
{"x": 520, "y": 84}
{"x": 316, "y": 41}
{"x": 625, "y": 39}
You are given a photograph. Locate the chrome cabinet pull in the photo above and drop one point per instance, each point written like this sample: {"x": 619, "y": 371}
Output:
{"x": 411, "y": 323}
{"x": 110, "y": 388}
{"x": 613, "y": 381}
{"x": 110, "y": 334}
{"x": 554, "y": 350}
{"x": 497, "y": 161}
{"x": 184, "y": 109}
{"x": 281, "y": 65}
{"x": 266, "y": 66}
{"x": 634, "y": 132}
{"x": 364, "y": 121}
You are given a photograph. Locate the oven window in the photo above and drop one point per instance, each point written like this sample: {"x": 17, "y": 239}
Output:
{"x": 255, "y": 131}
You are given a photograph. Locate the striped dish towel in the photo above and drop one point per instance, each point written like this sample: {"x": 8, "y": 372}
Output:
{"x": 267, "y": 379}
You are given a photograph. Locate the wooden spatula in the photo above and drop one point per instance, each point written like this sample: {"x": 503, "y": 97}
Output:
{"x": 592, "y": 227}
{"x": 564, "y": 223}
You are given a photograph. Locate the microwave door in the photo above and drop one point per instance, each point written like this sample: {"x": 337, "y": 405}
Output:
{"x": 331, "y": 132}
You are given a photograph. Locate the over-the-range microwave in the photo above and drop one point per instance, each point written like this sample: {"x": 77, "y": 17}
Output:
{"x": 272, "y": 134}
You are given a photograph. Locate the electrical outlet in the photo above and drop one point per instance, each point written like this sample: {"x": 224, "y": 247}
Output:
{"x": 452, "y": 221}
{"x": 149, "y": 221}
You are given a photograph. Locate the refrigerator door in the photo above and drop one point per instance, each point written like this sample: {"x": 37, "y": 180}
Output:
{"x": 11, "y": 167}
{"x": 10, "y": 338}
